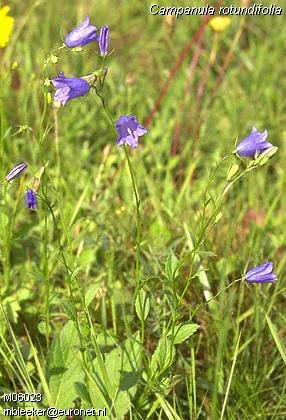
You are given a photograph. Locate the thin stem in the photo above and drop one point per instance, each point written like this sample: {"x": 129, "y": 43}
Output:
{"x": 223, "y": 290}
{"x": 104, "y": 107}
{"x": 138, "y": 237}
{"x": 57, "y": 142}
{"x": 214, "y": 297}
{"x": 138, "y": 214}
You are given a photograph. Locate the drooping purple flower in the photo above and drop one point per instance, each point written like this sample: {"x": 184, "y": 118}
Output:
{"x": 253, "y": 144}
{"x": 103, "y": 40}
{"x": 129, "y": 130}
{"x": 31, "y": 200}
{"x": 81, "y": 35}
{"x": 261, "y": 274}
{"x": 17, "y": 171}
{"x": 69, "y": 88}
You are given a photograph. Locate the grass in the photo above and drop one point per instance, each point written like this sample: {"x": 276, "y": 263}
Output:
{"x": 81, "y": 322}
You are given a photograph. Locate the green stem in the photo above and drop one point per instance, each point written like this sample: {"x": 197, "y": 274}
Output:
{"x": 138, "y": 216}
{"x": 138, "y": 237}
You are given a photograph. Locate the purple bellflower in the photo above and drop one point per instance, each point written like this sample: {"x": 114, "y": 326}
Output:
{"x": 103, "y": 40}
{"x": 69, "y": 88}
{"x": 129, "y": 130}
{"x": 261, "y": 274}
{"x": 81, "y": 35}
{"x": 17, "y": 171}
{"x": 31, "y": 200}
{"x": 253, "y": 144}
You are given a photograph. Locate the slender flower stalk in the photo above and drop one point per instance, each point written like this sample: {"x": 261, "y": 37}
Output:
{"x": 138, "y": 237}
{"x": 128, "y": 130}
{"x": 16, "y": 171}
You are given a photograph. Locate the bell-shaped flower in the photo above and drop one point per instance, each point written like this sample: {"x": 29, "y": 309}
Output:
{"x": 254, "y": 144}
{"x": 103, "y": 40}
{"x": 129, "y": 130}
{"x": 69, "y": 88}
{"x": 81, "y": 35}
{"x": 31, "y": 200}
{"x": 261, "y": 274}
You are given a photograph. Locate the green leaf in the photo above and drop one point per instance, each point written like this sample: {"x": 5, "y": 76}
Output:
{"x": 91, "y": 292}
{"x": 123, "y": 368}
{"x": 232, "y": 170}
{"x": 184, "y": 331}
{"x": 69, "y": 309}
{"x": 142, "y": 305}
{"x": 172, "y": 267}
{"x": 82, "y": 392}
{"x": 279, "y": 344}
{"x": 172, "y": 300}
{"x": 11, "y": 307}
{"x": 265, "y": 156}
{"x": 163, "y": 357}
{"x": 65, "y": 367}
{"x": 218, "y": 217}
{"x": 44, "y": 328}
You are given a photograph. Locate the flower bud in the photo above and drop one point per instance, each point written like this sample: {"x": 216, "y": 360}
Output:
{"x": 16, "y": 172}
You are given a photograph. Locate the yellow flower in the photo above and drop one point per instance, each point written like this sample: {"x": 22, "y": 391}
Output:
{"x": 219, "y": 23}
{"x": 6, "y": 26}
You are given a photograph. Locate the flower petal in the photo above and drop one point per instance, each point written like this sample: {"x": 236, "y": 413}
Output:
{"x": 129, "y": 130}
{"x": 254, "y": 143}
{"x": 140, "y": 131}
{"x": 81, "y": 35}
{"x": 265, "y": 278}
{"x": 265, "y": 268}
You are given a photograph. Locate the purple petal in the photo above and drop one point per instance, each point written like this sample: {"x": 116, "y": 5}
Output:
{"x": 103, "y": 40}
{"x": 265, "y": 268}
{"x": 263, "y": 135}
{"x": 69, "y": 88}
{"x": 261, "y": 274}
{"x": 31, "y": 200}
{"x": 62, "y": 95}
{"x": 254, "y": 143}
{"x": 140, "y": 131}
{"x": 265, "y": 278}
{"x": 81, "y": 35}
{"x": 132, "y": 140}
{"x": 120, "y": 141}
{"x": 129, "y": 130}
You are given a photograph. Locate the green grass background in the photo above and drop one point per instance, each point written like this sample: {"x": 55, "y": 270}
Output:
{"x": 88, "y": 186}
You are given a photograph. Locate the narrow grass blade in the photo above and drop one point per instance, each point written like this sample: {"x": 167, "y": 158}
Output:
{"x": 276, "y": 338}
{"x": 230, "y": 377}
